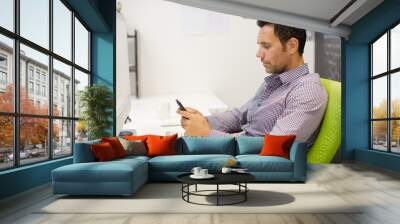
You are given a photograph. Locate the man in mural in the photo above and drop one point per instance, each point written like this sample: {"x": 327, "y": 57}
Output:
{"x": 290, "y": 101}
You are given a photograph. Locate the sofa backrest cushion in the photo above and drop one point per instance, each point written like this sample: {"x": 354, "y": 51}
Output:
{"x": 83, "y": 153}
{"x": 206, "y": 145}
{"x": 249, "y": 145}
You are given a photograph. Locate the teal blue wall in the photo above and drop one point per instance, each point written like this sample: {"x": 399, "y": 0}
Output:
{"x": 99, "y": 16}
{"x": 92, "y": 12}
{"x": 103, "y": 63}
{"x": 24, "y": 178}
{"x": 356, "y": 85}
{"x": 104, "y": 53}
{"x": 380, "y": 159}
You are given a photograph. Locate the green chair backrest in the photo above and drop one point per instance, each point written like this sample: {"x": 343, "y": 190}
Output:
{"x": 329, "y": 138}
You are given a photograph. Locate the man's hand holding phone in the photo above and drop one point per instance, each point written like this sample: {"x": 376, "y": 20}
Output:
{"x": 187, "y": 109}
{"x": 193, "y": 121}
{"x": 181, "y": 107}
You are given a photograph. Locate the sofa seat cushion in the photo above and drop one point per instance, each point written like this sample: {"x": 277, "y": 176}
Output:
{"x": 112, "y": 171}
{"x": 185, "y": 163}
{"x": 133, "y": 158}
{"x": 132, "y": 161}
{"x": 257, "y": 163}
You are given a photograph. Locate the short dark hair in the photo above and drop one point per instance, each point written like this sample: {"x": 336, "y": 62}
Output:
{"x": 284, "y": 33}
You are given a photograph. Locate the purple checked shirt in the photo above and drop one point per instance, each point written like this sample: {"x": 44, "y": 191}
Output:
{"x": 292, "y": 102}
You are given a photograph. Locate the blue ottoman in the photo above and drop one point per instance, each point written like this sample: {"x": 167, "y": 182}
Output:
{"x": 118, "y": 177}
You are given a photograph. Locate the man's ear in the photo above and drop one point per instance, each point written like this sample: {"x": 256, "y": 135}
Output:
{"x": 292, "y": 46}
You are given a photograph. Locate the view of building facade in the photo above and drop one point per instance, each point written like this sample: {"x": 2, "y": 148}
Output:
{"x": 39, "y": 120}
{"x": 34, "y": 80}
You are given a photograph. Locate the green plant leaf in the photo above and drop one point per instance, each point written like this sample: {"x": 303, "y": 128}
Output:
{"x": 97, "y": 105}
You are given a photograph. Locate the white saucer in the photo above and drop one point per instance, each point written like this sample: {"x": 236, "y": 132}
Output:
{"x": 208, "y": 176}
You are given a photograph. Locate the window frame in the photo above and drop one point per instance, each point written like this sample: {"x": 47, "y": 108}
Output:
{"x": 3, "y": 74}
{"x": 3, "y": 71}
{"x": 388, "y": 74}
{"x": 31, "y": 88}
{"x": 16, "y": 114}
{"x": 5, "y": 58}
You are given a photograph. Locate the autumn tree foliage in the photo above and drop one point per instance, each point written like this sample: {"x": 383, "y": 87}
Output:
{"x": 33, "y": 131}
{"x": 380, "y": 127}
{"x": 6, "y": 122}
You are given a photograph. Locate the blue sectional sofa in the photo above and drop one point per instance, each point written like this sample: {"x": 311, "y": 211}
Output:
{"x": 125, "y": 176}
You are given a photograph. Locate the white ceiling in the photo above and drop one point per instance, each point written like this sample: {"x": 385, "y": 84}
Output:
{"x": 321, "y": 9}
{"x": 315, "y": 15}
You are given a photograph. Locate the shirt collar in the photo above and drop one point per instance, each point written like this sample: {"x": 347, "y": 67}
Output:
{"x": 289, "y": 76}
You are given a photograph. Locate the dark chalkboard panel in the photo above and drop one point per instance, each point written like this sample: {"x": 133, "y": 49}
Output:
{"x": 328, "y": 56}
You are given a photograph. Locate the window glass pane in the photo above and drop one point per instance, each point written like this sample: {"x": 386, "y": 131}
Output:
{"x": 379, "y": 97}
{"x": 7, "y": 14}
{"x": 81, "y": 45}
{"x": 62, "y": 29}
{"x": 34, "y": 78}
{"x": 379, "y": 55}
{"x": 62, "y": 138}
{"x": 395, "y": 47}
{"x": 6, "y": 74}
{"x": 379, "y": 135}
{"x": 6, "y": 142}
{"x": 395, "y": 94}
{"x": 81, "y": 81}
{"x": 81, "y": 131}
{"x": 33, "y": 139}
{"x": 35, "y": 21}
{"x": 62, "y": 89}
{"x": 395, "y": 138}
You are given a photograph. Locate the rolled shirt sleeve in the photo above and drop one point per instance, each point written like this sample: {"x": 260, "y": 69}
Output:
{"x": 230, "y": 123}
{"x": 226, "y": 123}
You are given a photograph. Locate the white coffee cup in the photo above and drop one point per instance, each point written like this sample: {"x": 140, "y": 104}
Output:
{"x": 226, "y": 170}
{"x": 203, "y": 172}
{"x": 196, "y": 171}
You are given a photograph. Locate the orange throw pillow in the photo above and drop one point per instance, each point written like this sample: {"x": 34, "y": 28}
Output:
{"x": 161, "y": 145}
{"x": 275, "y": 145}
{"x": 116, "y": 145}
{"x": 103, "y": 152}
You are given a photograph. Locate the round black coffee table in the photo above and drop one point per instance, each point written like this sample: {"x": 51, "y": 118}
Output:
{"x": 238, "y": 179}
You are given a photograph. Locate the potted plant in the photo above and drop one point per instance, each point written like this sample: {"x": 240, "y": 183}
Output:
{"x": 97, "y": 105}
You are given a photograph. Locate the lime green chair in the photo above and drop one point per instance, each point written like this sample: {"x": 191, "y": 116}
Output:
{"x": 329, "y": 138}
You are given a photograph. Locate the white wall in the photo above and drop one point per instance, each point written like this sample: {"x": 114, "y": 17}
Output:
{"x": 184, "y": 49}
{"x": 123, "y": 84}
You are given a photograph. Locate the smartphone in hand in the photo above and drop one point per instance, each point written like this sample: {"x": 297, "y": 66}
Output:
{"x": 181, "y": 107}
